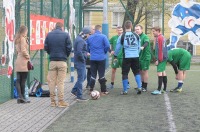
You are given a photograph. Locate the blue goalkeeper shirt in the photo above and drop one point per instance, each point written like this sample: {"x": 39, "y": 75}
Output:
{"x": 131, "y": 45}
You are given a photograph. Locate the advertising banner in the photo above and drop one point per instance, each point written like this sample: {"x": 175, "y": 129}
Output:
{"x": 39, "y": 28}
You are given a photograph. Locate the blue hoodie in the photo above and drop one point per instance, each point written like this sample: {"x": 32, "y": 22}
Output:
{"x": 98, "y": 46}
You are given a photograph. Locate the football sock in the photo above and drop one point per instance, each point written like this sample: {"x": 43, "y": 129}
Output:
{"x": 165, "y": 82}
{"x": 125, "y": 83}
{"x": 142, "y": 84}
{"x": 160, "y": 80}
{"x": 112, "y": 83}
{"x": 138, "y": 80}
{"x": 180, "y": 83}
{"x": 145, "y": 85}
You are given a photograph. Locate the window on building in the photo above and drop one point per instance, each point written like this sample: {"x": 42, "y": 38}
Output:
{"x": 156, "y": 19}
{"x": 87, "y": 18}
{"x": 117, "y": 19}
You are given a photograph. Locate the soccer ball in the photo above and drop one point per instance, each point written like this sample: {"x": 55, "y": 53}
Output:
{"x": 95, "y": 94}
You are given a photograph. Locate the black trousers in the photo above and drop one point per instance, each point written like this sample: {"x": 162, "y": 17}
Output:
{"x": 20, "y": 83}
{"x": 98, "y": 66}
{"x": 88, "y": 76}
{"x": 130, "y": 63}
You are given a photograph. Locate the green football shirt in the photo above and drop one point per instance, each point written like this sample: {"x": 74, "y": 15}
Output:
{"x": 176, "y": 54}
{"x": 113, "y": 43}
{"x": 145, "y": 54}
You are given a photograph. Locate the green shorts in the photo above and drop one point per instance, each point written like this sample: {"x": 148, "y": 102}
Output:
{"x": 184, "y": 63}
{"x": 144, "y": 64}
{"x": 116, "y": 64}
{"x": 161, "y": 66}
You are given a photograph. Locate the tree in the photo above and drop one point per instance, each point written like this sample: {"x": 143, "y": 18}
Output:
{"x": 136, "y": 10}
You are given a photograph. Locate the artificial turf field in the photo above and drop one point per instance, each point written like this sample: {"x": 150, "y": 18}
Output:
{"x": 177, "y": 112}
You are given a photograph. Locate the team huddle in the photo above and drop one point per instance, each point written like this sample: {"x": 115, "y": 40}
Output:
{"x": 132, "y": 50}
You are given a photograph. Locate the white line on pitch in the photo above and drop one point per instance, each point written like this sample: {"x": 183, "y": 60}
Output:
{"x": 172, "y": 126}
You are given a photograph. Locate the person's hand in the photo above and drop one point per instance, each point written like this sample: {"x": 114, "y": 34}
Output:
{"x": 156, "y": 63}
{"x": 112, "y": 52}
{"x": 142, "y": 48}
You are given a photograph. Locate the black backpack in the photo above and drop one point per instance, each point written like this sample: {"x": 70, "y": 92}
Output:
{"x": 36, "y": 89}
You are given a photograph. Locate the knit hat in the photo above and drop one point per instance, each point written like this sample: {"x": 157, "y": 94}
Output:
{"x": 86, "y": 30}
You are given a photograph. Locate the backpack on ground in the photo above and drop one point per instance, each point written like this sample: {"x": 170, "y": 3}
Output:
{"x": 36, "y": 89}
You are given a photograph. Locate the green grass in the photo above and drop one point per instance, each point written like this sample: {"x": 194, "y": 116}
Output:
{"x": 136, "y": 113}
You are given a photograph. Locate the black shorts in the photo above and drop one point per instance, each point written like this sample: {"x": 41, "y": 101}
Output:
{"x": 132, "y": 63}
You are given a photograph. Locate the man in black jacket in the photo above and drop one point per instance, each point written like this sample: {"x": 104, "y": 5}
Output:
{"x": 58, "y": 46}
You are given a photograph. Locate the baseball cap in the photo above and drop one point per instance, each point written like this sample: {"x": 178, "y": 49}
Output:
{"x": 86, "y": 30}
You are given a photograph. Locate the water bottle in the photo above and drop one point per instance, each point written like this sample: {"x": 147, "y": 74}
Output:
{"x": 26, "y": 93}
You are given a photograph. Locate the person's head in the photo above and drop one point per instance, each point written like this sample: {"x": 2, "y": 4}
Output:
{"x": 98, "y": 28}
{"x": 138, "y": 29}
{"x": 156, "y": 31}
{"x": 59, "y": 25}
{"x": 128, "y": 25}
{"x": 92, "y": 29}
{"x": 186, "y": 1}
{"x": 22, "y": 32}
{"x": 85, "y": 33}
{"x": 119, "y": 30}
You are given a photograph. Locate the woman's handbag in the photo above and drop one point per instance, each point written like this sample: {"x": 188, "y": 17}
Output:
{"x": 30, "y": 66}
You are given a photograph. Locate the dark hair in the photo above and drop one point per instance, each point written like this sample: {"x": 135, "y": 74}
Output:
{"x": 97, "y": 27}
{"x": 139, "y": 26}
{"x": 18, "y": 36}
{"x": 59, "y": 25}
{"x": 156, "y": 29}
{"x": 128, "y": 24}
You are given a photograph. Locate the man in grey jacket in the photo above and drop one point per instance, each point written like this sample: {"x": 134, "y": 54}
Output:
{"x": 80, "y": 56}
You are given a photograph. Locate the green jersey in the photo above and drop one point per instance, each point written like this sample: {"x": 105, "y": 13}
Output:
{"x": 113, "y": 43}
{"x": 145, "y": 54}
{"x": 177, "y": 54}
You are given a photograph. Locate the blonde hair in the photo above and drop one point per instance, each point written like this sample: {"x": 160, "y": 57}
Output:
{"x": 19, "y": 34}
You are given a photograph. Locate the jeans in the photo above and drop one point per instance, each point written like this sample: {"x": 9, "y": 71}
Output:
{"x": 78, "y": 87}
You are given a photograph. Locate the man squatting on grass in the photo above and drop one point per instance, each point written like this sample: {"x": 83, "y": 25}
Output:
{"x": 180, "y": 60}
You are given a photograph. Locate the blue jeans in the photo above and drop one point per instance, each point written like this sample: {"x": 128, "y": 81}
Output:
{"x": 78, "y": 87}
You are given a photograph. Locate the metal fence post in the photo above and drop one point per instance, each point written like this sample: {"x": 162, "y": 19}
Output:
{"x": 28, "y": 25}
{"x": 80, "y": 15}
{"x": 163, "y": 16}
{"x": 60, "y": 9}
{"x": 41, "y": 51}
{"x": 105, "y": 25}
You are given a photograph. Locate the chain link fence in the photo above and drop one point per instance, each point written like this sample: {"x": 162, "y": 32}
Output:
{"x": 52, "y": 8}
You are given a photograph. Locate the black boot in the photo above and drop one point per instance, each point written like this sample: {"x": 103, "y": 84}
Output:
{"x": 102, "y": 82}
{"x": 21, "y": 100}
{"x": 92, "y": 83}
